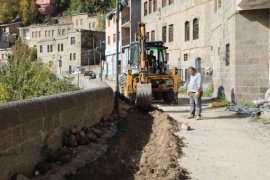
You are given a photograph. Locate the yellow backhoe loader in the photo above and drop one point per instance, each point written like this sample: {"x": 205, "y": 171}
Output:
{"x": 148, "y": 75}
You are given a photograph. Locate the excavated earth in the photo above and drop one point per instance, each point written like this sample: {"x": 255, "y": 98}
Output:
{"x": 136, "y": 146}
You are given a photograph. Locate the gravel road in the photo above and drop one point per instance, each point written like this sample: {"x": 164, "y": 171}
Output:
{"x": 223, "y": 145}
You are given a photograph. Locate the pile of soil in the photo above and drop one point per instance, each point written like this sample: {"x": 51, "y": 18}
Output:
{"x": 144, "y": 147}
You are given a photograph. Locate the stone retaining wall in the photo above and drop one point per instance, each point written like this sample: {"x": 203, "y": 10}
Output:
{"x": 26, "y": 125}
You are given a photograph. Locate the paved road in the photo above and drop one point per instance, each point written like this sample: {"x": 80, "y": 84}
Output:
{"x": 223, "y": 146}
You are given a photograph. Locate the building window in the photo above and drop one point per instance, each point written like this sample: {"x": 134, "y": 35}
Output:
{"x": 147, "y": 36}
{"x": 187, "y": 29}
{"x": 39, "y": 34}
{"x": 153, "y": 35}
{"x": 164, "y": 34}
{"x": 109, "y": 40}
{"x": 59, "y": 32}
{"x": 185, "y": 57}
{"x": 109, "y": 23}
{"x": 171, "y": 2}
{"x": 164, "y": 3}
{"x": 33, "y": 34}
{"x": 154, "y": 5}
{"x": 145, "y": 8}
{"x": 63, "y": 31}
{"x": 59, "y": 48}
{"x": 72, "y": 40}
{"x": 62, "y": 47}
{"x": 228, "y": 55}
{"x": 45, "y": 33}
{"x": 49, "y": 48}
{"x": 150, "y": 6}
{"x": 77, "y": 22}
{"x": 52, "y": 33}
{"x": 70, "y": 56}
{"x": 74, "y": 56}
{"x": 40, "y": 48}
{"x": 49, "y": 33}
{"x": 219, "y": 4}
{"x": 94, "y": 25}
{"x": 196, "y": 28}
{"x": 167, "y": 57}
{"x": 36, "y": 34}
{"x": 171, "y": 33}
{"x": 81, "y": 22}
{"x": 114, "y": 38}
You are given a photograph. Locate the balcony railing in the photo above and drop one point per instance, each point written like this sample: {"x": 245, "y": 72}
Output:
{"x": 125, "y": 41}
{"x": 125, "y": 19}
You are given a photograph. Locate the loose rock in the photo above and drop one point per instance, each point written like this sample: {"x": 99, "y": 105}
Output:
{"x": 97, "y": 132}
{"x": 72, "y": 141}
{"x": 43, "y": 167}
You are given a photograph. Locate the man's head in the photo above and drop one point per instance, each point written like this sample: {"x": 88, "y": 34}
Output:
{"x": 151, "y": 52}
{"x": 192, "y": 70}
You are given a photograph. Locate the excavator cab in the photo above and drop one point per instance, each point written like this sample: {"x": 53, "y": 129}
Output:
{"x": 149, "y": 76}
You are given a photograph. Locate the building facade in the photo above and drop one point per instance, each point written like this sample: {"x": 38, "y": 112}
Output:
{"x": 128, "y": 29}
{"x": 240, "y": 40}
{"x": 8, "y": 36}
{"x": 64, "y": 47}
{"x": 84, "y": 21}
{"x": 182, "y": 26}
{"x": 230, "y": 37}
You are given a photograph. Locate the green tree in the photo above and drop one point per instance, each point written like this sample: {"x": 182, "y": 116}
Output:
{"x": 25, "y": 77}
{"x": 90, "y": 6}
{"x": 8, "y": 10}
{"x": 101, "y": 18}
{"x": 28, "y": 11}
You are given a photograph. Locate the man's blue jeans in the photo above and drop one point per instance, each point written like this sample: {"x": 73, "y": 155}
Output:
{"x": 195, "y": 104}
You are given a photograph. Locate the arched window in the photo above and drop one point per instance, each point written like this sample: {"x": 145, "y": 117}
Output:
{"x": 187, "y": 30}
{"x": 195, "y": 29}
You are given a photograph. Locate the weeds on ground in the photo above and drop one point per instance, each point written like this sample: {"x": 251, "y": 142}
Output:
{"x": 209, "y": 91}
{"x": 65, "y": 135}
{"x": 248, "y": 104}
{"x": 183, "y": 90}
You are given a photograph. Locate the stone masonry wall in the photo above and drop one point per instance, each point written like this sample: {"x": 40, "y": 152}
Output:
{"x": 24, "y": 125}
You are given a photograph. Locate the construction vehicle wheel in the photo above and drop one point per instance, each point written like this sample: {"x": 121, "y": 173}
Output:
{"x": 123, "y": 79}
{"x": 157, "y": 95}
{"x": 168, "y": 97}
{"x": 144, "y": 96}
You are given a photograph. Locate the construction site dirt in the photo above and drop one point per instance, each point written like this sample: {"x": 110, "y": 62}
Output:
{"x": 143, "y": 147}
{"x": 133, "y": 145}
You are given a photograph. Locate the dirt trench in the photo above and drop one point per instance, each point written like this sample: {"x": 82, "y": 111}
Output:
{"x": 144, "y": 147}
{"x": 134, "y": 145}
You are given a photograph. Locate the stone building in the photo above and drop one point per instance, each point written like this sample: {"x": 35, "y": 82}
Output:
{"x": 231, "y": 37}
{"x": 85, "y": 21}
{"x": 240, "y": 41}
{"x": 182, "y": 26}
{"x": 64, "y": 47}
{"x": 8, "y": 35}
{"x": 128, "y": 29}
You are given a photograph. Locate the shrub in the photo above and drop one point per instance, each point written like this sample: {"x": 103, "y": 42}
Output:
{"x": 209, "y": 91}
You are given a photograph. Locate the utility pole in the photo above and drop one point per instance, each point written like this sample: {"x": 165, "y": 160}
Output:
{"x": 117, "y": 59}
{"x": 119, "y": 7}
